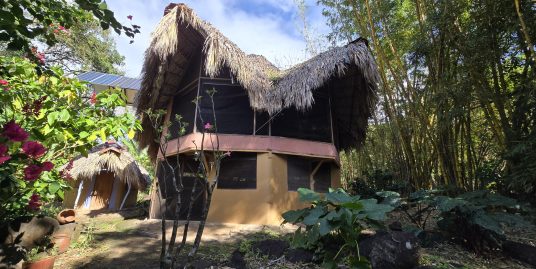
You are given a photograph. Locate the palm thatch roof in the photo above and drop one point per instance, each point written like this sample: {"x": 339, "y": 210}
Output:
{"x": 111, "y": 157}
{"x": 181, "y": 34}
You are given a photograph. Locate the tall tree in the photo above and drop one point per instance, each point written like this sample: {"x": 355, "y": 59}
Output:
{"x": 457, "y": 87}
{"x": 85, "y": 46}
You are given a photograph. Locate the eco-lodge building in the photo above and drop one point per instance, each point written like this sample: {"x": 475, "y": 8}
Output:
{"x": 284, "y": 128}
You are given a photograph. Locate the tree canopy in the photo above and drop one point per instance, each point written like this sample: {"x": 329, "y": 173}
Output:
{"x": 458, "y": 91}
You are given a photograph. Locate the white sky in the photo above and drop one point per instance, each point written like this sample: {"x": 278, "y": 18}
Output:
{"x": 267, "y": 27}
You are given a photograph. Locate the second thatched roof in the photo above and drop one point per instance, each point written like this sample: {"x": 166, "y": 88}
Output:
{"x": 113, "y": 158}
{"x": 181, "y": 34}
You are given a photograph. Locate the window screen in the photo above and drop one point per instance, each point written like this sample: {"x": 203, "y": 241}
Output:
{"x": 165, "y": 177}
{"x": 239, "y": 171}
{"x": 299, "y": 170}
{"x": 312, "y": 124}
{"x": 322, "y": 177}
{"x": 234, "y": 114}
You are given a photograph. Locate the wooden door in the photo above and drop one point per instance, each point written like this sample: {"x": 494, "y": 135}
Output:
{"x": 102, "y": 191}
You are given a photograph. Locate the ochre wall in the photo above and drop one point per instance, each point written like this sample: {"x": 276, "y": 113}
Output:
{"x": 265, "y": 204}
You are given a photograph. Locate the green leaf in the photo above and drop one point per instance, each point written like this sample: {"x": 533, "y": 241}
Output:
{"x": 314, "y": 215}
{"x": 292, "y": 216}
{"x": 307, "y": 195}
{"x": 83, "y": 134}
{"x": 54, "y": 187}
{"x": 52, "y": 117}
{"x": 338, "y": 196}
{"x": 64, "y": 115}
{"x": 325, "y": 227}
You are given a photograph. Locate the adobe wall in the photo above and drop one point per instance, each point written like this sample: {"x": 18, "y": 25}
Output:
{"x": 267, "y": 202}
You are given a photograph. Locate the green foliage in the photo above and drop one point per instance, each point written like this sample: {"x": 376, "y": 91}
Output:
{"x": 474, "y": 219}
{"x": 333, "y": 225}
{"x": 56, "y": 112}
{"x": 85, "y": 47}
{"x": 477, "y": 218}
{"x": 22, "y": 21}
{"x": 457, "y": 96}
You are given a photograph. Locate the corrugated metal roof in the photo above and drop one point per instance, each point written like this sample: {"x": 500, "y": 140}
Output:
{"x": 98, "y": 78}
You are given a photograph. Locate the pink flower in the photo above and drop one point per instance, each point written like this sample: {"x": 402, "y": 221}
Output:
{"x": 129, "y": 17}
{"x": 34, "y": 202}
{"x": 33, "y": 149}
{"x": 208, "y": 126}
{"x": 14, "y": 132}
{"x": 61, "y": 28}
{"x": 41, "y": 57}
{"x": 4, "y": 82}
{"x": 3, "y": 157}
{"x": 93, "y": 98}
{"x": 227, "y": 154}
{"x": 47, "y": 166}
{"x": 32, "y": 172}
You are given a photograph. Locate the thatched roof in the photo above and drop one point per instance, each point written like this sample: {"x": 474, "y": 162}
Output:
{"x": 180, "y": 35}
{"x": 111, "y": 157}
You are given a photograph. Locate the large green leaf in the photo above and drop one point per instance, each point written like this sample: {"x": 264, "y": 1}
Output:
{"x": 307, "y": 195}
{"x": 338, "y": 196}
{"x": 293, "y": 216}
{"x": 314, "y": 215}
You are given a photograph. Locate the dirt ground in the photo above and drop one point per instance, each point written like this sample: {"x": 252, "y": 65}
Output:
{"x": 118, "y": 243}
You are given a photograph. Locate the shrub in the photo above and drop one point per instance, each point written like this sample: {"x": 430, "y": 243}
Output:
{"x": 333, "y": 224}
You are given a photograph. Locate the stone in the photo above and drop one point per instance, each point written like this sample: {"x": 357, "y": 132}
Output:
{"x": 273, "y": 248}
{"x": 298, "y": 255}
{"x": 30, "y": 231}
{"x": 237, "y": 260}
{"x": 523, "y": 252}
{"x": 391, "y": 250}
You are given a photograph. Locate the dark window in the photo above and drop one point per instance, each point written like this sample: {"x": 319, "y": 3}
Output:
{"x": 239, "y": 171}
{"x": 234, "y": 114}
{"x": 299, "y": 170}
{"x": 183, "y": 105}
{"x": 189, "y": 167}
{"x": 322, "y": 177}
{"x": 312, "y": 124}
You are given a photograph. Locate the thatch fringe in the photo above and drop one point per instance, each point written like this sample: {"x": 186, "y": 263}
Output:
{"x": 120, "y": 162}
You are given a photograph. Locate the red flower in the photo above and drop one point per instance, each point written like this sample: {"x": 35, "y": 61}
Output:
{"x": 61, "y": 28}
{"x": 129, "y": 17}
{"x": 32, "y": 172}
{"x": 47, "y": 166}
{"x": 3, "y": 82}
{"x": 93, "y": 98}
{"x": 33, "y": 149}
{"x": 34, "y": 202}
{"x": 208, "y": 126}
{"x": 14, "y": 132}
{"x": 3, "y": 157}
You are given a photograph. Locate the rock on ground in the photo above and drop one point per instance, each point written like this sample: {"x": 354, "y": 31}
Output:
{"x": 391, "y": 250}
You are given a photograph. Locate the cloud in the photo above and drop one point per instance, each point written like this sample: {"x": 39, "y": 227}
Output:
{"x": 265, "y": 27}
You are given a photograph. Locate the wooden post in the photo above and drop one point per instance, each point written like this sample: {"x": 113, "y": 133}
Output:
{"x": 126, "y": 196}
{"x": 80, "y": 186}
{"x": 313, "y": 173}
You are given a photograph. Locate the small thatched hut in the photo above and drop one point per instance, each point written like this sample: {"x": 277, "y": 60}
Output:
{"x": 108, "y": 178}
{"x": 283, "y": 127}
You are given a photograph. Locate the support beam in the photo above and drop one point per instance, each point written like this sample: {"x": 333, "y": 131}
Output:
{"x": 80, "y": 186}
{"x": 126, "y": 196}
{"x": 313, "y": 173}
